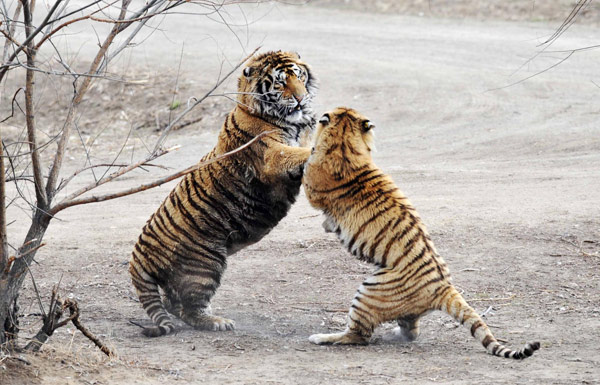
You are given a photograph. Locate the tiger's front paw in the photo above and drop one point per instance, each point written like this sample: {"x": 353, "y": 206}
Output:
{"x": 296, "y": 174}
{"x": 343, "y": 338}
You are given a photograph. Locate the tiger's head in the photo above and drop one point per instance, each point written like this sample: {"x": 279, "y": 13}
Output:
{"x": 279, "y": 87}
{"x": 342, "y": 149}
{"x": 345, "y": 133}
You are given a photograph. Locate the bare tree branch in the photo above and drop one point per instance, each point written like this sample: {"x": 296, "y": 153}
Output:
{"x": 24, "y": 153}
{"x": 71, "y": 304}
{"x": 163, "y": 136}
{"x": 65, "y": 202}
{"x": 29, "y": 109}
{"x": 100, "y": 198}
{"x": 67, "y": 23}
{"x": 535, "y": 74}
{"x": 566, "y": 24}
{"x": 30, "y": 36}
{"x": 81, "y": 91}
{"x": 10, "y": 31}
{"x": 3, "y": 237}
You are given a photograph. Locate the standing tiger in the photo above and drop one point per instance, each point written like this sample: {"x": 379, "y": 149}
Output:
{"x": 378, "y": 224}
{"x": 231, "y": 203}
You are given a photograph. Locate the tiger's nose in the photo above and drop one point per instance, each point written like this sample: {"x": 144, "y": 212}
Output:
{"x": 298, "y": 97}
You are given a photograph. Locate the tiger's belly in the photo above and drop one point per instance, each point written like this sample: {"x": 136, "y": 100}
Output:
{"x": 261, "y": 209}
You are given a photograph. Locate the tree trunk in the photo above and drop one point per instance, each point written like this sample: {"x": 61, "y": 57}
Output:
{"x": 11, "y": 281}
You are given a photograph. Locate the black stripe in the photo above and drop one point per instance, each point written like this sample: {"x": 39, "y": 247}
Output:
{"x": 148, "y": 258}
{"x": 363, "y": 226}
{"x": 360, "y": 325}
{"x": 351, "y": 182}
{"x": 215, "y": 205}
{"x": 190, "y": 221}
{"x": 214, "y": 222}
{"x": 361, "y": 186}
{"x": 476, "y": 326}
{"x": 488, "y": 340}
{"x": 378, "y": 238}
{"x": 245, "y": 133}
{"x": 187, "y": 246}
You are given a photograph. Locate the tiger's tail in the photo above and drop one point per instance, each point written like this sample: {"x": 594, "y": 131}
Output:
{"x": 454, "y": 304}
{"x": 147, "y": 290}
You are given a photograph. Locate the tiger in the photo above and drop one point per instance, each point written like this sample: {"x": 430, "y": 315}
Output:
{"x": 378, "y": 224}
{"x": 231, "y": 203}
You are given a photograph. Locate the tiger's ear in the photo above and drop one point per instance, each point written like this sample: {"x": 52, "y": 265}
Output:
{"x": 367, "y": 125}
{"x": 248, "y": 71}
{"x": 324, "y": 119}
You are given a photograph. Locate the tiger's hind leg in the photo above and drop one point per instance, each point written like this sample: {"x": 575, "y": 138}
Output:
{"x": 374, "y": 304}
{"x": 172, "y": 302}
{"x": 149, "y": 295}
{"x": 364, "y": 315}
{"x": 199, "y": 317}
{"x": 196, "y": 292}
{"x": 329, "y": 225}
{"x": 408, "y": 329}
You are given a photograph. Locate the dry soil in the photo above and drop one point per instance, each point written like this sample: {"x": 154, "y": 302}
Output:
{"x": 506, "y": 177}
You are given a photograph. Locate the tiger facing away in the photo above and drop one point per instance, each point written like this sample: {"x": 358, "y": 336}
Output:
{"x": 378, "y": 224}
{"x": 231, "y": 203}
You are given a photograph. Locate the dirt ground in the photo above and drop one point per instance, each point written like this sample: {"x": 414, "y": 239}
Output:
{"x": 506, "y": 179}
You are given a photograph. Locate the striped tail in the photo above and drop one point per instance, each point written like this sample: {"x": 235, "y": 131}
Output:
{"x": 454, "y": 304}
{"x": 149, "y": 296}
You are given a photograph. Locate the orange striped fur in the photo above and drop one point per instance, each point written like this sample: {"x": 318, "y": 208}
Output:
{"x": 231, "y": 203}
{"x": 378, "y": 224}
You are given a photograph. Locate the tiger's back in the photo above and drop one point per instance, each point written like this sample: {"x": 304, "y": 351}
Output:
{"x": 378, "y": 224}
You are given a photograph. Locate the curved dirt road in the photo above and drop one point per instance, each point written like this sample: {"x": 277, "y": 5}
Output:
{"x": 508, "y": 182}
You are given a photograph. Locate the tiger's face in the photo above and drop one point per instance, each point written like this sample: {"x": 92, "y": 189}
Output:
{"x": 280, "y": 87}
{"x": 345, "y": 131}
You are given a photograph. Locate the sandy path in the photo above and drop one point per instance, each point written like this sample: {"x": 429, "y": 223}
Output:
{"x": 504, "y": 180}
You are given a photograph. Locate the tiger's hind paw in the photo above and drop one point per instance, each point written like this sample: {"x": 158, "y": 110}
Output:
{"x": 343, "y": 338}
{"x": 401, "y": 335}
{"x": 222, "y": 324}
{"x": 157, "y": 331}
{"x": 214, "y": 323}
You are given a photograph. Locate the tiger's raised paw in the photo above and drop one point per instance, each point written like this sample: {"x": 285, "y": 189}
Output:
{"x": 338, "y": 339}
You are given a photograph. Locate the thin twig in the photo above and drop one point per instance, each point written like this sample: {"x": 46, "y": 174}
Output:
{"x": 535, "y": 74}
{"x": 71, "y": 197}
{"x": 30, "y": 36}
{"x": 14, "y": 258}
{"x": 81, "y": 91}
{"x": 163, "y": 136}
{"x": 100, "y": 198}
{"x": 67, "y": 23}
{"x": 4, "y": 259}
{"x": 74, "y": 310}
{"x": 10, "y": 28}
{"x": 12, "y": 105}
{"x": 29, "y": 109}
{"x": 566, "y": 24}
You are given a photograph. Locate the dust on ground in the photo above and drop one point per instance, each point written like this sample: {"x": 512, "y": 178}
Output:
{"x": 507, "y": 183}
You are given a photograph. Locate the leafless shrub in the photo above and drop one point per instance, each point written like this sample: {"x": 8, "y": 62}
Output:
{"x": 33, "y": 157}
